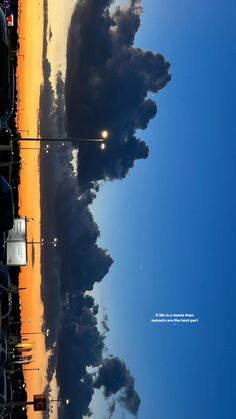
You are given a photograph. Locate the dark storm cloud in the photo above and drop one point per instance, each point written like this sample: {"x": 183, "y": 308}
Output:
{"x": 80, "y": 346}
{"x": 130, "y": 398}
{"x": 83, "y": 261}
{"x": 84, "y": 348}
{"x": 59, "y": 107}
{"x": 107, "y": 86}
{"x": 81, "y": 394}
{"x": 111, "y": 409}
{"x": 52, "y": 106}
{"x": 114, "y": 376}
{"x": 46, "y": 100}
{"x": 104, "y": 323}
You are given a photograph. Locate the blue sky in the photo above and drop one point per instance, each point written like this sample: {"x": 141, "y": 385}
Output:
{"x": 171, "y": 227}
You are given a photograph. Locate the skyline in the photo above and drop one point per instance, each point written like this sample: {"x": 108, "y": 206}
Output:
{"x": 28, "y": 89}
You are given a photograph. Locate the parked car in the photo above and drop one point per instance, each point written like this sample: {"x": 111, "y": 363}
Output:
{"x": 10, "y": 97}
{"x": 4, "y": 277}
{"x": 6, "y": 206}
{"x": 5, "y": 306}
{"x": 3, "y": 26}
{"x": 4, "y": 59}
{"x": 5, "y": 300}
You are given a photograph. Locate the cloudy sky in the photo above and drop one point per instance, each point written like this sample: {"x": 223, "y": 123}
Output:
{"x": 170, "y": 225}
{"x": 59, "y": 15}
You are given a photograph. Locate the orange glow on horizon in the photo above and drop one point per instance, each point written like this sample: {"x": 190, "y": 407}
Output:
{"x": 29, "y": 80}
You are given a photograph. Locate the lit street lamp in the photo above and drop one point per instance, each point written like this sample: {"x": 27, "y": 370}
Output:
{"x": 39, "y": 403}
{"x": 101, "y": 140}
{"x": 54, "y": 242}
{"x": 66, "y": 401}
{"x": 29, "y": 320}
{"x": 31, "y": 369}
{"x": 43, "y": 242}
{"x": 46, "y": 333}
{"x": 46, "y": 148}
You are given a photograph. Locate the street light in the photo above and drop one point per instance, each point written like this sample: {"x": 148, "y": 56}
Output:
{"x": 19, "y": 381}
{"x": 29, "y": 218}
{"x": 54, "y": 242}
{"x": 29, "y": 321}
{"x": 66, "y": 401}
{"x": 45, "y": 333}
{"x": 31, "y": 369}
{"x": 36, "y": 333}
{"x": 104, "y": 136}
{"x": 46, "y": 148}
{"x": 42, "y": 242}
{"x": 40, "y": 402}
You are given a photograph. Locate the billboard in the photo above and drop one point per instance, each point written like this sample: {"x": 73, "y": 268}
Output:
{"x": 18, "y": 232}
{"x": 17, "y": 253}
{"x": 40, "y": 402}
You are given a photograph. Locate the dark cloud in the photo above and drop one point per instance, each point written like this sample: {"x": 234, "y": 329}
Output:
{"x": 52, "y": 105}
{"x": 111, "y": 409}
{"x": 114, "y": 376}
{"x": 46, "y": 101}
{"x": 130, "y": 398}
{"x": 59, "y": 106}
{"x": 80, "y": 345}
{"x": 104, "y": 323}
{"x": 81, "y": 264}
{"x": 81, "y": 394}
{"x": 85, "y": 343}
{"x": 83, "y": 261}
{"x": 107, "y": 86}
{"x": 147, "y": 110}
